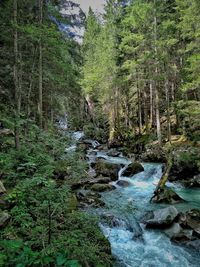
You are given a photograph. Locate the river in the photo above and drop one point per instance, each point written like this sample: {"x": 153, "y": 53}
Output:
{"x": 153, "y": 248}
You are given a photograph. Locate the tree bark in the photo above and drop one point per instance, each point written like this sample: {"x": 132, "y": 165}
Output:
{"x": 164, "y": 177}
{"x": 158, "y": 126}
{"x": 151, "y": 105}
{"x": 40, "y": 104}
{"x": 168, "y": 112}
{"x": 15, "y": 76}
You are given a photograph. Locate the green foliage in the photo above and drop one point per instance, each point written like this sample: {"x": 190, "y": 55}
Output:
{"x": 189, "y": 114}
{"x": 47, "y": 229}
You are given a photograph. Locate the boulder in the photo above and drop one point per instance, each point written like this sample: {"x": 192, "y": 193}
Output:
{"x": 113, "y": 153}
{"x": 162, "y": 217}
{"x": 185, "y": 164}
{"x": 4, "y": 219}
{"x": 133, "y": 169}
{"x": 166, "y": 195}
{"x": 90, "y": 143}
{"x": 123, "y": 183}
{"x": 107, "y": 169}
{"x": 178, "y": 234}
{"x": 193, "y": 182}
{"x": 87, "y": 198}
{"x": 191, "y": 220}
{"x": 153, "y": 153}
{"x": 87, "y": 182}
{"x": 102, "y": 187}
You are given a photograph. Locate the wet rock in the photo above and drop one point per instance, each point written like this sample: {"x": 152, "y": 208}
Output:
{"x": 123, "y": 183}
{"x": 179, "y": 234}
{"x": 162, "y": 217}
{"x": 107, "y": 169}
{"x": 166, "y": 195}
{"x": 113, "y": 153}
{"x": 133, "y": 169}
{"x": 102, "y": 187}
{"x": 191, "y": 220}
{"x": 4, "y": 219}
{"x": 174, "y": 230}
{"x": 90, "y": 143}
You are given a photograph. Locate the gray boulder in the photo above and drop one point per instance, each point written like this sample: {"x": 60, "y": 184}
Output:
{"x": 162, "y": 217}
{"x": 133, "y": 169}
{"x": 178, "y": 234}
{"x": 123, "y": 183}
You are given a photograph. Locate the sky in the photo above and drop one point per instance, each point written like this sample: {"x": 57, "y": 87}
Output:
{"x": 96, "y": 5}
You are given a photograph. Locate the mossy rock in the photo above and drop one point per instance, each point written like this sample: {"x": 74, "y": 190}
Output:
{"x": 168, "y": 196}
{"x": 185, "y": 163}
{"x": 133, "y": 169}
{"x": 107, "y": 169}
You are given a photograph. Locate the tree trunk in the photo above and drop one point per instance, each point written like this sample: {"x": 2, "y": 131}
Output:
{"x": 146, "y": 112}
{"x": 139, "y": 109}
{"x": 15, "y": 76}
{"x": 168, "y": 112}
{"x": 164, "y": 177}
{"x": 158, "y": 126}
{"x": 40, "y": 104}
{"x": 151, "y": 105}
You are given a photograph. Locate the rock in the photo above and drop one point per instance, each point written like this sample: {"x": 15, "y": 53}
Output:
{"x": 102, "y": 187}
{"x": 133, "y": 169}
{"x": 4, "y": 219}
{"x": 193, "y": 182}
{"x": 166, "y": 195}
{"x": 81, "y": 194}
{"x": 174, "y": 230}
{"x": 154, "y": 153}
{"x": 178, "y": 234}
{"x": 162, "y": 217}
{"x": 123, "y": 183}
{"x": 113, "y": 153}
{"x": 90, "y": 143}
{"x": 107, "y": 169}
{"x": 87, "y": 198}
{"x": 185, "y": 164}
{"x": 191, "y": 220}
{"x": 2, "y": 188}
{"x": 87, "y": 182}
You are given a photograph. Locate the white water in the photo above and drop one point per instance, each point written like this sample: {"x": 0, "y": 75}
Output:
{"x": 130, "y": 203}
{"x": 75, "y": 136}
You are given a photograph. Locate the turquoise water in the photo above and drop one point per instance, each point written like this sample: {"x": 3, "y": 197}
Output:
{"x": 153, "y": 249}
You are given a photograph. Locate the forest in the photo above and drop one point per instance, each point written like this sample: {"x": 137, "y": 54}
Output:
{"x": 100, "y": 133}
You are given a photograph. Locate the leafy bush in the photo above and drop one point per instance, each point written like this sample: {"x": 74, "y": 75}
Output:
{"x": 47, "y": 229}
